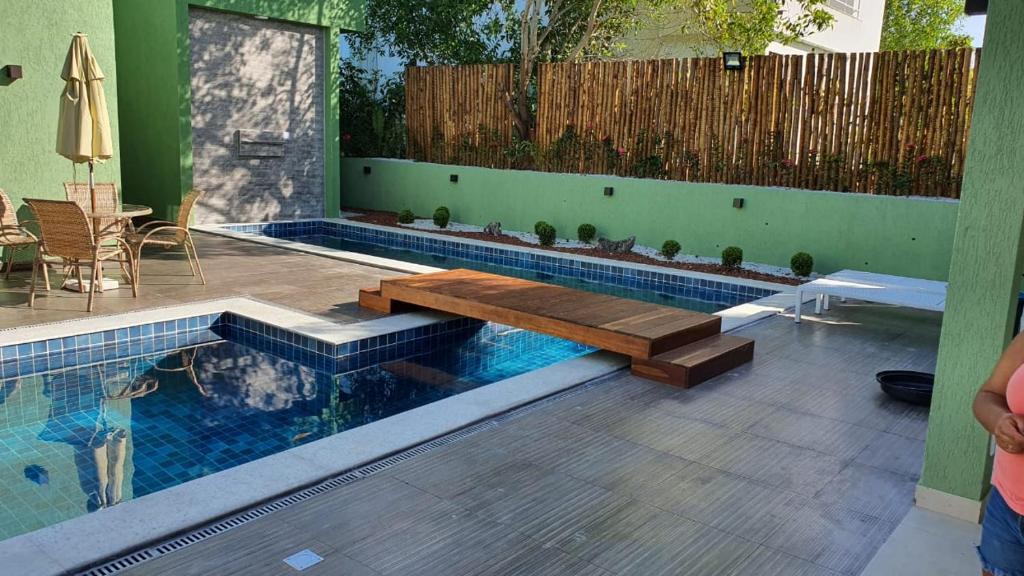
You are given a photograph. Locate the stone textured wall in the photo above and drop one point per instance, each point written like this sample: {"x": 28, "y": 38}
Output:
{"x": 261, "y": 80}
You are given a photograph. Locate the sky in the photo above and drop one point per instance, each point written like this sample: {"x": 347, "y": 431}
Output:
{"x": 975, "y": 26}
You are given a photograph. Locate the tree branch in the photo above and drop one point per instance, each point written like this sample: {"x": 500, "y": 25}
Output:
{"x": 588, "y": 34}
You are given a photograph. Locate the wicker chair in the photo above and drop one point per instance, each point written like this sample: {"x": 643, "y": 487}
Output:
{"x": 66, "y": 233}
{"x": 169, "y": 235}
{"x": 107, "y": 198}
{"x": 14, "y": 236}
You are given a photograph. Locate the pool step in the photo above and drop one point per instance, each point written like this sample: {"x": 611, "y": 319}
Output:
{"x": 371, "y": 299}
{"x": 694, "y": 363}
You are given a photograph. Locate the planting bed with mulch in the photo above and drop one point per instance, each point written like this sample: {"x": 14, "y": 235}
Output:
{"x": 391, "y": 219}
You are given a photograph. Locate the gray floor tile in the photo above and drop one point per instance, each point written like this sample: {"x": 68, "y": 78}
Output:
{"x": 449, "y": 541}
{"x": 912, "y": 424}
{"x": 260, "y": 550}
{"x": 538, "y": 560}
{"x": 715, "y": 408}
{"x": 731, "y": 503}
{"x": 775, "y": 463}
{"x": 833, "y": 537}
{"x": 689, "y": 439}
{"x": 551, "y": 507}
{"x": 618, "y": 465}
{"x": 768, "y": 562}
{"x": 668, "y": 545}
{"x": 871, "y": 491}
{"x": 455, "y": 469}
{"x": 361, "y": 509}
{"x": 838, "y": 439}
{"x": 894, "y": 453}
{"x": 829, "y": 403}
{"x": 619, "y": 525}
{"x": 889, "y": 415}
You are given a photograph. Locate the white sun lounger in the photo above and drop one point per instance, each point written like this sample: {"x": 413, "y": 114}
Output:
{"x": 880, "y": 288}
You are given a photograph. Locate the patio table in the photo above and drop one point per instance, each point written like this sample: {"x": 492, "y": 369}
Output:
{"x": 125, "y": 212}
{"x": 121, "y": 214}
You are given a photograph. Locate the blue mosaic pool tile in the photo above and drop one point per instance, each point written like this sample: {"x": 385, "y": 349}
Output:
{"x": 68, "y": 351}
{"x": 674, "y": 284}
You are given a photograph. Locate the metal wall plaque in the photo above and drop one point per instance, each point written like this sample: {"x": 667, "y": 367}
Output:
{"x": 261, "y": 143}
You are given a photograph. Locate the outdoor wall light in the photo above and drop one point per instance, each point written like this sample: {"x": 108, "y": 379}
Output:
{"x": 367, "y": 170}
{"x": 732, "y": 60}
{"x": 13, "y": 72}
{"x": 609, "y": 191}
{"x": 454, "y": 178}
{"x": 738, "y": 203}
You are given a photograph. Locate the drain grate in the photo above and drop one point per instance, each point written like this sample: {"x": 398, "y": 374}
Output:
{"x": 132, "y": 559}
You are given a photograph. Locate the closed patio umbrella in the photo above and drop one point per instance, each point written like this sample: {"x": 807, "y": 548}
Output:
{"x": 83, "y": 131}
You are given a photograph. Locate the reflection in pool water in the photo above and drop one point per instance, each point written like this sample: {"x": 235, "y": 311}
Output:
{"x": 90, "y": 437}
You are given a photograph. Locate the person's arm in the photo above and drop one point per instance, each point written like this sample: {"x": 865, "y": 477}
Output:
{"x": 990, "y": 407}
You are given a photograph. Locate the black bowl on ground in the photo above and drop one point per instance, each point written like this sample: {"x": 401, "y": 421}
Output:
{"x": 907, "y": 386}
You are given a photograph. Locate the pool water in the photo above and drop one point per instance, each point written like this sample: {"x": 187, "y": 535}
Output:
{"x": 449, "y": 262}
{"x": 81, "y": 439}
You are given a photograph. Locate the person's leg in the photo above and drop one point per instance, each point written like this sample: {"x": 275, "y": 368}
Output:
{"x": 1002, "y": 547}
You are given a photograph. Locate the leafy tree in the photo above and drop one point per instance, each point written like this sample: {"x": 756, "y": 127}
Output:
{"x": 528, "y": 32}
{"x": 372, "y": 113}
{"x": 923, "y": 25}
{"x": 751, "y": 25}
{"x": 525, "y": 32}
{"x": 435, "y": 32}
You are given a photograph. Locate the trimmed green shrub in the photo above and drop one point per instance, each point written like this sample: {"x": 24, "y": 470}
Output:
{"x": 670, "y": 248}
{"x": 540, "y": 224}
{"x": 732, "y": 256}
{"x": 441, "y": 217}
{"x": 586, "y": 232}
{"x": 406, "y": 217}
{"x": 802, "y": 264}
{"x": 546, "y": 233}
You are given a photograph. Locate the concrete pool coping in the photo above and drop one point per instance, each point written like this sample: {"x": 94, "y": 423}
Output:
{"x": 61, "y": 548}
{"x": 732, "y": 318}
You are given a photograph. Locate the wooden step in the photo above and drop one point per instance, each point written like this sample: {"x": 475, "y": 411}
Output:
{"x": 630, "y": 327}
{"x": 694, "y": 363}
{"x": 371, "y": 299}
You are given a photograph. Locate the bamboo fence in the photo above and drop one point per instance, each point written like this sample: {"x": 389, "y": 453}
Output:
{"x": 883, "y": 123}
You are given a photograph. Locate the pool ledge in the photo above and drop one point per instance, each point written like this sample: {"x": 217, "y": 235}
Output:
{"x": 398, "y": 265}
{"x": 89, "y": 540}
{"x": 732, "y": 318}
{"x": 272, "y": 314}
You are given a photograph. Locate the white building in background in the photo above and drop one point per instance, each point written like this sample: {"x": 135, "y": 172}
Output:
{"x": 857, "y": 28}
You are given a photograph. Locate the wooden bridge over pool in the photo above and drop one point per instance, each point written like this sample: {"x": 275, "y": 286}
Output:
{"x": 670, "y": 345}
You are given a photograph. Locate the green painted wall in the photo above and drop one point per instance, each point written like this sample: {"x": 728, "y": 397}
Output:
{"x": 911, "y": 237}
{"x": 36, "y": 34}
{"x": 153, "y": 52}
{"x": 986, "y": 265}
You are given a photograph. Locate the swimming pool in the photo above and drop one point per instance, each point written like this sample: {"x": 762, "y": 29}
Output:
{"x": 646, "y": 283}
{"x": 91, "y": 421}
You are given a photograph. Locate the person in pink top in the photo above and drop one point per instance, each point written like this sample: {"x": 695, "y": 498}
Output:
{"x": 999, "y": 406}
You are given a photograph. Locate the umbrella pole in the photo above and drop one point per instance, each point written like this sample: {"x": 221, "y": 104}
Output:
{"x": 92, "y": 187}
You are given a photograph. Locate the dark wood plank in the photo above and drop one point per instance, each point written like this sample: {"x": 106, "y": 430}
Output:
{"x": 638, "y": 329}
{"x": 694, "y": 363}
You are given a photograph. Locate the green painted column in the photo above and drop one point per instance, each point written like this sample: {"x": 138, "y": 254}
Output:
{"x": 985, "y": 270}
{"x": 332, "y": 138}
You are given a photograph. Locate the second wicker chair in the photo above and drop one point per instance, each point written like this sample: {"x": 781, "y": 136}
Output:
{"x": 169, "y": 235}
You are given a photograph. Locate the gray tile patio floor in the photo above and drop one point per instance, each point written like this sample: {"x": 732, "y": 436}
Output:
{"x": 793, "y": 465}
{"x": 233, "y": 268}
